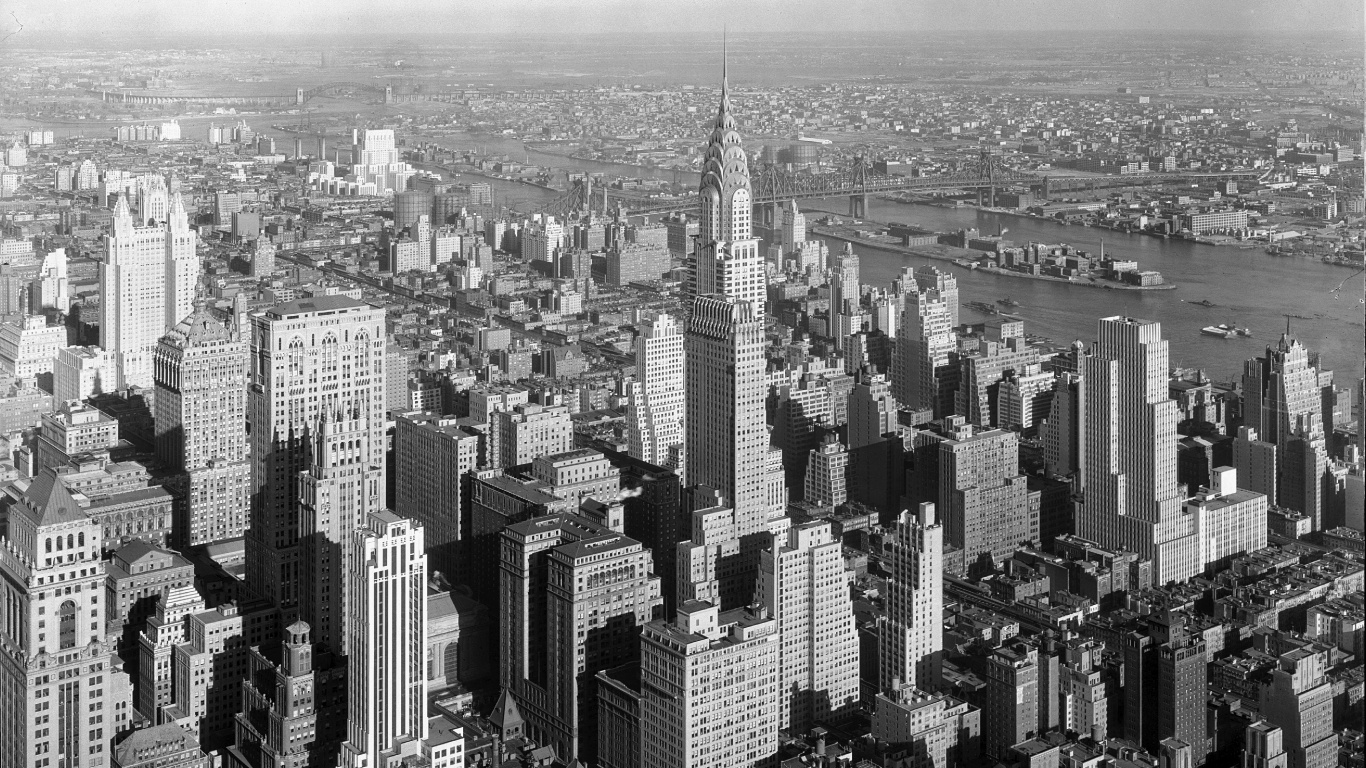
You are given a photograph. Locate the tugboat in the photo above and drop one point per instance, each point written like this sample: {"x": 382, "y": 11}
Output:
{"x": 1204, "y": 303}
{"x": 983, "y": 307}
{"x": 1245, "y": 333}
{"x": 1008, "y": 302}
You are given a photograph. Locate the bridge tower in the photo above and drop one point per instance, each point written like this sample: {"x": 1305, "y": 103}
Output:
{"x": 388, "y": 94}
{"x": 858, "y": 202}
{"x": 298, "y": 95}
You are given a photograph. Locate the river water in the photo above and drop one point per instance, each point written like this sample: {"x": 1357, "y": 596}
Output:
{"x": 1249, "y": 288}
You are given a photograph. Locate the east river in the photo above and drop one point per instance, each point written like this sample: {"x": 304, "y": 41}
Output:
{"x": 1249, "y": 288}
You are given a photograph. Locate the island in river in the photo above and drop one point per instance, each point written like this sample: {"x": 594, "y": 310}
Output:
{"x": 1034, "y": 261}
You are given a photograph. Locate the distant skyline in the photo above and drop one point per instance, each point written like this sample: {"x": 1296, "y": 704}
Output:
{"x": 92, "y": 19}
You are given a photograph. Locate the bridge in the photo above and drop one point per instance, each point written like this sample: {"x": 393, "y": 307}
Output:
{"x": 302, "y": 96}
{"x": 772, "y": 185}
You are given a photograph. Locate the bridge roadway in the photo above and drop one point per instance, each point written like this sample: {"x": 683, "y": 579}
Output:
{"x": 771, "y": 189}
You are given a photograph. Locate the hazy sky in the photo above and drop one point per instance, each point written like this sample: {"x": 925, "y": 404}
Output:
{"x": 82, "y": 18}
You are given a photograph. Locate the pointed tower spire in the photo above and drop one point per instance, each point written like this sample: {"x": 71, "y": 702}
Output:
{"x": 121, "y": 210}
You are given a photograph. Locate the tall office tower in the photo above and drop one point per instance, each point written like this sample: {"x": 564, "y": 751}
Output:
{"x": 156, "y": 645}
{"x": 432, "y": 455}
{"x": 1011, "y": 711}
{"x": 981, "y": 372}
{"x": 709, "y": 689}
{"x": 1061, "y": 433}
{"x": 377, "y": 160}
{"x": 225, "y": 204}
{"x": 386, "y": 709}
{"x": 293, "y": 707}
{"x": 338, "y": 493}
{"x": 804, "y": 585}
{"x": 932, "y": 278}
{"x": 52, "y": 290}
{"x": 47, "y": 719}
{"x": 1131, "y": 498}
{"x": 1283, "y": 400}
{"x": 1299, "y": 699}
{"x": 986, "y": 502}
{"x": 1085, "y": 709}
{"x": 793, "y": 228}
{"x": 654, "y": 409}
{"x": 876, "y": 463}
{"x": 310, "y": 358}
{"x": 827, "y": 474}
{"x": 1255, "y": 461}
{"x": 925, "y": 370}
{"x": 153, "y": 201}
{"x": 147, "y": 284}
{"x": 1264, "y": 746}
{"x": 200, "y": 369}
{"x": 726, "y": 261}
{"x": 1182, "y": 671}
{"x": 911, "y": 641}
{"x": 844, "y": 295}
{"x": 263, "y": 258}
{"x": 573, "y": 597}
{"x": 725, "y": 388}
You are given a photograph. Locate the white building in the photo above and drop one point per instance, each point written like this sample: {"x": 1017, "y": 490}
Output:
{"x": 1131, "y": 499}
{"x": 912, "y": 638}
{"x": 29, "y": 346}
{"x": 709, "y": 689}
{"x": 804, "y": 585}
{"x": 654, "y": 409}
{"x": 48, "y": 720}
{"x": 81, "y": 372}
{"x": 311, "y": 359}
{"x": 827, "y": 474}
{"x": 147, "y": 284}
{"x": 53, "y": 290}
{"x": 386, "y": 655}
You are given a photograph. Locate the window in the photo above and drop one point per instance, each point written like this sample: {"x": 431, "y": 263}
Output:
{"x": 66, "y": 632}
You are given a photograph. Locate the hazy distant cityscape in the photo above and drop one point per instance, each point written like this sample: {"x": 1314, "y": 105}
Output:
{"x": 887, "y": 399}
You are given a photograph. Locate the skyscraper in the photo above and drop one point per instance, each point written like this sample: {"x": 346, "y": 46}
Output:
{"x": 654, "y": 410}
{"x": 337, "y": 495}
{"x": 911, "y": 641}
{"x": 727, "y": 261}
{"x": 727, "y": 437}
{"x": 844, "y": 295}
{"x": 431, "y": 457}
{"x": 709, "y": 689}
{"x": 804, "y": 585}
{"x": 1283, "y": 401}
{"x": 986, "y": 502}
{"x": 573, "y": 596}
{"x": 1130, "y": 497}
{"x": 386, "y": 710}
{"x": 201, "y": 426}
{"x": 310, "y": 358}
{"x": 924, "y": 370}
{"x": 47, "y": 719}
{"x": 928, "y": 277}
{"x": 147, "y": 284}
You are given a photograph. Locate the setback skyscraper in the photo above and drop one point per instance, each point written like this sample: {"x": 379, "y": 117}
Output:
{"x": 147, "y": 285}
{"x": 311, "y": 359}
{"x": 1130, "y": 497}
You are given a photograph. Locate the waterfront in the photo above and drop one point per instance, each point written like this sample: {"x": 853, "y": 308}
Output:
{"x": 1249, "y": 289}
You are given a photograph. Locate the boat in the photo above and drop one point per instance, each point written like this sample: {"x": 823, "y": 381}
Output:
{"x": 982, "y": 306}
{"x": 1204, "y": 303}
{"x": 1245, "y": 333}
{"x": 1008, "y": 302}
{"x": 1222, "y": 331}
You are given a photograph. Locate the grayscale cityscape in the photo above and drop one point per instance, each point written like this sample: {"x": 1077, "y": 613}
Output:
{"x": 749, "y": 384}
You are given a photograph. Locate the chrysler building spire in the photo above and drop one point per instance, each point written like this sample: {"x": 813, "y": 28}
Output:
{"x": 725, "y": 192}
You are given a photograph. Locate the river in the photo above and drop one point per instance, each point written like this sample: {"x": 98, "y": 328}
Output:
{"x": 1249, "y": 288}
